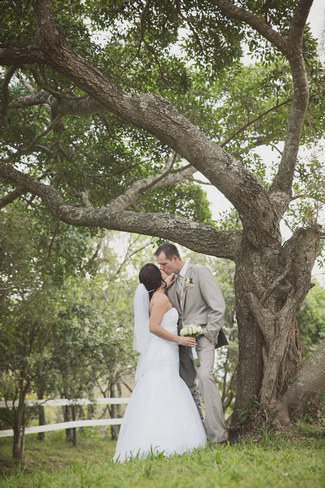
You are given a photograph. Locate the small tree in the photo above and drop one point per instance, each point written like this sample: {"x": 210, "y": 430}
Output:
{"x": 32, "y": 270}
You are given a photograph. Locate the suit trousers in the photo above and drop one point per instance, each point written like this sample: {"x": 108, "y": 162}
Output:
{"x": 214, "y": 421}
{"x": 214, "y": 415}
{"x": 188, "y": 373}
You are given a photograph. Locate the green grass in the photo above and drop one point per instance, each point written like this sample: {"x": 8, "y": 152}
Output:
{"x": 277, "y": 461}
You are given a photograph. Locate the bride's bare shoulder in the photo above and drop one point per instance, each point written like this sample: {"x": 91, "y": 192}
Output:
{"x": 159, "y": 298}
{"x": 161, "y": 301}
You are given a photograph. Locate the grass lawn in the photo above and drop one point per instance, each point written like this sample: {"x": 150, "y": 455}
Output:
{"x": 276, "y": 461}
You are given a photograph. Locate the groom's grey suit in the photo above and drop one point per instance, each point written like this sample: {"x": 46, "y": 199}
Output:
{"x": 202, "y": 304}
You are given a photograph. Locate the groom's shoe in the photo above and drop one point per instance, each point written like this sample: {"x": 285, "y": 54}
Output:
{"x": 213, "y": 444}
{"x": 223, "y": 443}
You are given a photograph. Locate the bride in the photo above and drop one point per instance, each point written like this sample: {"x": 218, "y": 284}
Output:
{"x": 161, "y": 416}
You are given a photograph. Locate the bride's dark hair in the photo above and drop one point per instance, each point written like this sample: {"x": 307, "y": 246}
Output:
{"x": 150, "y": 276}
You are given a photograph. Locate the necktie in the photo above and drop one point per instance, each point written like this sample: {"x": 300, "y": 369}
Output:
{"x": 179, "y": 289}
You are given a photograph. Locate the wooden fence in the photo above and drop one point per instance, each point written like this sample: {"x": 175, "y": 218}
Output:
{"x": 66, "y": 425}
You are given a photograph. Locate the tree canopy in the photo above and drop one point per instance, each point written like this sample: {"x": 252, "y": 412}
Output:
{"x": 187, "y": 53}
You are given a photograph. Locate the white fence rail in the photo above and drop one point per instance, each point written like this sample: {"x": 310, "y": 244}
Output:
{"x": 66, "y": 425}
{"x": 64, "y": 401}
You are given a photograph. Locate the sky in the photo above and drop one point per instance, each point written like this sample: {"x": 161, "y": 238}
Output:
{"x": 316, "y": 17}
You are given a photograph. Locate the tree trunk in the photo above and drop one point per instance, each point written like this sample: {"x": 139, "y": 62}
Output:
{"x": 19, "y": 425}
{"x": 118, "y": 407}
{"x": 115, "y": 410}
{"x": 67, "y": 417}
{"x": 228, "y": 388}
{"x": 81, "y": 415}
{"x": 41, "y": 418}
{"x": 74, "y": 430}
{"x": 270, "y": 287}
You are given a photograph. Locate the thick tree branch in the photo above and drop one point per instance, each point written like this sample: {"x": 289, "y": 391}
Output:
{"x": 283, "y": 180}
{"x": 177, "y": 176}
{"x": 130, "y": 196}
{"x": 167, "y": 177}
{"x": 11, "y": 197}
{"x": 241, "y": 14}
{"x": 198, "y": 237}
{"x": 297, "y": 28}
{"x": 63, "y": 106}
{"x": 39, "y": 98}
{"x": 5, "y": 92}
{"x": 161, "y": 119}
{"x": 291, "y": 48}
{"x": 13, "y": 54}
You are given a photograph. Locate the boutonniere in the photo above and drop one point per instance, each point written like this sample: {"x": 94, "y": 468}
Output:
{"x": 188, "y": 283}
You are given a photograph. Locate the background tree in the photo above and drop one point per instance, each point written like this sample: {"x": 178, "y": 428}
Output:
{"x": 311, "y": 319}
{"x": 154, "y": 117}
{"x": 37, "y": 255}
{"x": 117, "y": 279}
{"x": 64, "y": 331}
{"x": 311, "y": 382}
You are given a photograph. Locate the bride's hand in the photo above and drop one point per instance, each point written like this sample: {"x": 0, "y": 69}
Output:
{"x": 169, "y": 280}
{"x": 187, "y": 341}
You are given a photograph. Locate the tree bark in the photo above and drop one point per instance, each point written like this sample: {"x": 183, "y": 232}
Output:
{"x": 67, "y": 418}
{"x": 74, "y": 430}
{"x": 41, "y": 417}
{"x": 19, "y": 425}
{"x": 270, "y": 288}
{"x": 115, "y": 410}
{"x": 309, "y": 381}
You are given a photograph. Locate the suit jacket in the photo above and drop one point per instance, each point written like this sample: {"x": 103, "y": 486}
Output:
{"x": 203, "y": 303}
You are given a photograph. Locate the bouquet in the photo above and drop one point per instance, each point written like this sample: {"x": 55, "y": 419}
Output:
{"x": 192, "y": 331}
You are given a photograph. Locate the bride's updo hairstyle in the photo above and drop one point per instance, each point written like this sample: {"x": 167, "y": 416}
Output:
{"x": 150, "y": 276}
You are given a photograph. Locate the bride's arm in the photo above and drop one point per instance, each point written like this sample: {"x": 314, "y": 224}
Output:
{"x": 159, "y": 308}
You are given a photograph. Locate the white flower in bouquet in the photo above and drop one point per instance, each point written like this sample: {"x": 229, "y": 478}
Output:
{"x": 192, "y": 331}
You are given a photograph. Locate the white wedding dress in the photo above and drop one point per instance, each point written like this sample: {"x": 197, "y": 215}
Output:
{"x": 161, "y": 416}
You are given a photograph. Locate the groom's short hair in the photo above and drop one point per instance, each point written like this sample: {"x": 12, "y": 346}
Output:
{"x": 169, "y": 249}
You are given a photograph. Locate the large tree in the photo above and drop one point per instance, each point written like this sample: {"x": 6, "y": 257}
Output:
{"x": 165, "y": 87}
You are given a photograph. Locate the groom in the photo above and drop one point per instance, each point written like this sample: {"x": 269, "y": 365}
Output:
{"x": 197, "y": 297}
